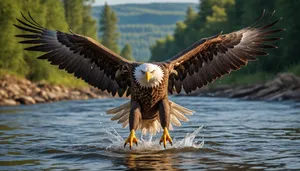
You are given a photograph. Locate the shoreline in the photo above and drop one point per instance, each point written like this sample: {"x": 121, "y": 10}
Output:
{"x": 19, "y": 91}
{"x": 285, "y": 86}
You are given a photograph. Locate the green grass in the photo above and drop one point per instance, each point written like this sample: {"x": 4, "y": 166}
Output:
{"x": 59, "y": 78}
{"x": 294, "y": 69}
{"x": 71, "y": 82}
{"x": 245, "y": 79}
{"x": 4, "y": 72}
{"x": 63, "y": 78}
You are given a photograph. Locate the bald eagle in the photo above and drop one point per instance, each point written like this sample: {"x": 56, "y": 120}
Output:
{"x": 148, "y": 84}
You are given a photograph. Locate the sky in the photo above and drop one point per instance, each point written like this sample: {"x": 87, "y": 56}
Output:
{"x": 113, "y": 2}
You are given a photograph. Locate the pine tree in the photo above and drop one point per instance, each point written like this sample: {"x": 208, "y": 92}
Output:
{"x": 11, "y": 56}
{"x": 89, "y": 26}
{"x": 73, "y": 13}
{"x": 289, "y": 45}
{"x": 190, "y": 16}
{"x": 108, "y": 29}
{"x": 127, "y": 52}
{"x": 211, "y": 19}
{"x": 55, "y": 15}
{"x": 78, "y": 16}
{"x": 39, "y": 69}
{"x": 157, "y": 49}
{"x": 251, "y": 11}
{"x": 54, "y": 12}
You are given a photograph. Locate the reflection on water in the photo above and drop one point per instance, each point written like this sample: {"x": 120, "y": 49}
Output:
{"x": 162, "y": 161}
{"x": 78, "y": 135}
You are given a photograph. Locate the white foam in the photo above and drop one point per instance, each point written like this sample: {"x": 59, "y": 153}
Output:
{"x": 151, "y": 144}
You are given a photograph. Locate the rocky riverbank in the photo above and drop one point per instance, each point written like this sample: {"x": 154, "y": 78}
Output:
{"x": 16, "y": 91}
{"x": 285, "y": 86}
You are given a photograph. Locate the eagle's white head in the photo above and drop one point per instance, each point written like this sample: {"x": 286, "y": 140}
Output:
{"x": 148, "y": 75}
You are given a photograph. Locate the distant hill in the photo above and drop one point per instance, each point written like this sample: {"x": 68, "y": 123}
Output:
{"x": 142, "y": 24}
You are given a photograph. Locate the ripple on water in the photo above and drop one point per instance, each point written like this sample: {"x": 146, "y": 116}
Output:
{"x": 77, "y": 135}
{"x": 151, "y": 145}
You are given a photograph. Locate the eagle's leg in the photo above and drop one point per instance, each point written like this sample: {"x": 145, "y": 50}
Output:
{"x": 134, "y": 119}
{"x": 164, "y": 115}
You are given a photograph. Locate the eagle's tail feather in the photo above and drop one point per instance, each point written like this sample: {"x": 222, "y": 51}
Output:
{"x": 177, "y": 114}
{"x": 181, "y": 109}
{"x": 119, "y": 108}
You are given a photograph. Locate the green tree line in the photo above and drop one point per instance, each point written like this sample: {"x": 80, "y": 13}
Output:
{"x": 215, "y": 16}
{"x": 110, "y": 34}
{"x": 54, "y": 14}
{"x": 140, "y": 25}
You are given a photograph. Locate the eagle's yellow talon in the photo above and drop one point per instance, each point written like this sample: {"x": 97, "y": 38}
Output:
{"x": 165, "y": 137}
{"x": 131, "y": 139}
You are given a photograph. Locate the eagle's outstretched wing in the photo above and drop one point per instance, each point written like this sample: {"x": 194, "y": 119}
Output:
{"x": 211, "y": 58}
{"x": 81, "y": 55}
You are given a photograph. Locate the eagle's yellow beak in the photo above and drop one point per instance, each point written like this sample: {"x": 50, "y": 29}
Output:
{"x": 148, "y": 76}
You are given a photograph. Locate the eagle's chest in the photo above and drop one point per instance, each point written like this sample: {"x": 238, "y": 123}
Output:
{"x": 149, "y": 97}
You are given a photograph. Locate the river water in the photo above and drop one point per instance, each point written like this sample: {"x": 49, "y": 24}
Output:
{"x": 223, "y": 134}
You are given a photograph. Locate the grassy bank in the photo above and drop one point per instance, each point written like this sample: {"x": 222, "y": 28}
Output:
{"x": 63, "y": 79}
{"x": 235, "y": 78}
{"x": 294, "y": 69}
{"x": 244, "y": 79}
{"x": 240, "y": 78}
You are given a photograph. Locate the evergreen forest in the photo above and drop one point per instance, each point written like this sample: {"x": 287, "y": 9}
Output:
{"x": 140, "y": 25}
{"x": 145, "y": 32}
{"x": 214, "y": 16}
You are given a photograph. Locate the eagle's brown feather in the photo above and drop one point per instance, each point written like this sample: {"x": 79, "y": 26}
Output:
{"x": 211, "y": 58}
{"x": 149, "y": 97}
{"x": 81, "y": 55}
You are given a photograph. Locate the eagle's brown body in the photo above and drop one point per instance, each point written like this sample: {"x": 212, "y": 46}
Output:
{"x": 149, "y": 100}
{"x": 200, "y": 64}
{"x": 149, "y": 97}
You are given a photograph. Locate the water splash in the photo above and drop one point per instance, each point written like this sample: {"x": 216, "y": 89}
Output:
{"x": 150, "y": 145}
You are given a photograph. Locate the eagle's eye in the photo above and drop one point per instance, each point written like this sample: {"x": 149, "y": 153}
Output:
{"x": 152, "y": 71}
{"x": 143, "y": 72}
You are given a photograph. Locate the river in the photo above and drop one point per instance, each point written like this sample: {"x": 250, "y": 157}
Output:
{"x": 222, "y": 134}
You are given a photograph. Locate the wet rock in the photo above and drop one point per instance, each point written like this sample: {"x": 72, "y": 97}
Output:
{"x": 285, "y": 86}
{"x": 26, "y": 100}
{"x": 89, "y": 93}
{"x": 223, "y": 93}
{"x": 57, "y": 88}
{"x": 24, "y": 82}
{"x": 294, "y": 94}
{"x": 15, "y": 90}
{"x": 28, "y": 91}
{"x": 52, "y": 96}
{"x": 278, "y": 96}
{"x": 39, "y": 99}
{"x": 289, "y": 79}
{"x": 62, "y": 95}
{"x": 3, "y": 94}
{"x": 65, "y": 90}
{"x": 75, "y": 93}
{"x": 14, "y": 87}
{"x": 8, "y": 102}
{"x": 264, "y": 92}
{"x": 246, "y": 91}
{"x": 36, "y": 90}
{"x": 43, "y": 94}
